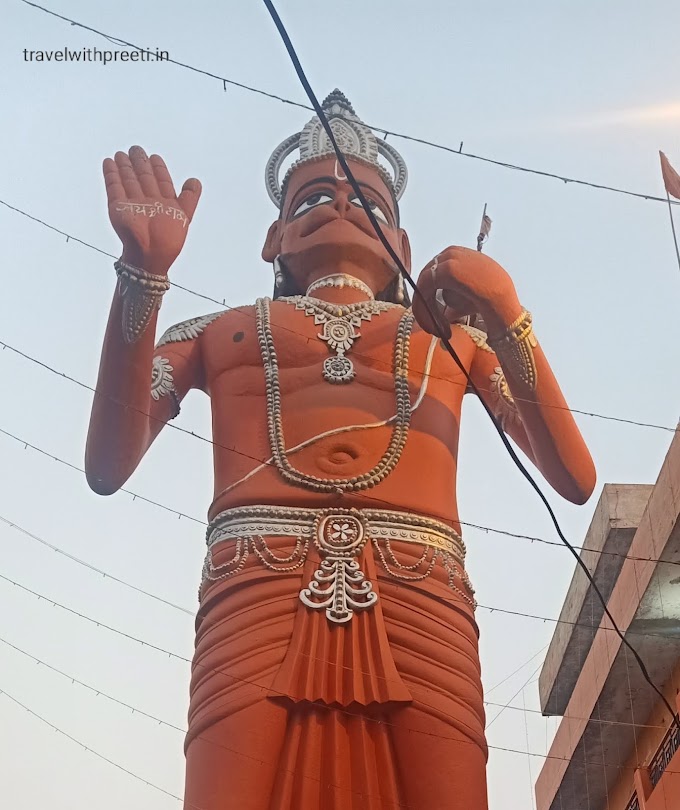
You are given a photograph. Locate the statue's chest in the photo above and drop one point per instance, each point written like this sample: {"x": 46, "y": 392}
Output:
{"x": 337, "y": 346}
{"x": 304, "y": 351}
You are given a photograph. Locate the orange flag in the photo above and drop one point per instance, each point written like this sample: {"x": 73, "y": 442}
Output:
{"x": 671, "y": 179}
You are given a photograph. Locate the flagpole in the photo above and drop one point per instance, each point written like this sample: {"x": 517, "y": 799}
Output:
{"x": 481, "y": 237}
{"x": 675, "y": 238}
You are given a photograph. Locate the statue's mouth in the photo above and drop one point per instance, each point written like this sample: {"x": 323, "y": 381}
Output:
{"x": 320, "y": 219}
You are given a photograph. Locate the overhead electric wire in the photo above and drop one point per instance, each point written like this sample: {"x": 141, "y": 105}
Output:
{"x": 402, "y": 269}
{"x": 195, "y": 807}
{"x": 76, "y": 468}
{"x": 507, "y": 705}
{"x": 487, "y": 692}
{"x": 366, "y": 496}
{"x": 484, "y": 529}
{"x": 93, "y": 751}
{"x": 416, "y": 291}
{"x": 211, "y": 670}
{"x": 219, "y": 672}
{"x": 387, "y": 132}
{"x": 168, "y": 603}
{"x": 222, "y": 302}
{"x": 71, "y": 238}
{"x": 93, "y": 568}
{"x": 489, "y": 608}
{"x": 97, "y": 692}
{"x": 265, "y": 462}
{"x": 161, "y": 722}
{"x": 451, "y": 351}
{"x": 165, "y": 723}
{"x": 188, "y": 805}
{"x": 264, "y": 687}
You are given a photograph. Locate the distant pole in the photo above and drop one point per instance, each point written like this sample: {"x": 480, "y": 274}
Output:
{"x": 675, "y": 238}
{"x": 484, "y": 230}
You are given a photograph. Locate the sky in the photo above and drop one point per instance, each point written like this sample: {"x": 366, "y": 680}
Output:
{"x": 581, "y": 89}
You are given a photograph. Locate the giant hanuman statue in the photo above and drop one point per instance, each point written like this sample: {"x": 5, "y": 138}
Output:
{"x": 336, "y": 660}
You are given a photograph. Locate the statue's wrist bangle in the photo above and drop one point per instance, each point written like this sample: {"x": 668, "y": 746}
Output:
{"x": 128, "y": 273}
{"x": 142, "y": 293}
{"x": 514, "y": 349}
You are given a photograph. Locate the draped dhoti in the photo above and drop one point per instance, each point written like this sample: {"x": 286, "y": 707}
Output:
{"x": 336, "y": 666}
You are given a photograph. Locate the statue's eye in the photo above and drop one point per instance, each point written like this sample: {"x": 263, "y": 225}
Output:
{"x": 316, "y": 199}
{"x": 378, "y": 213}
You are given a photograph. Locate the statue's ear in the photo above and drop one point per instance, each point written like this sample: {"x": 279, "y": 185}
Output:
{"x": 405, "y": 249}
{"x": 272, "y": 244}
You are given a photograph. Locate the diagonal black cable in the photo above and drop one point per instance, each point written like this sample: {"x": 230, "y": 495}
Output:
{"x": 447, "y": 345}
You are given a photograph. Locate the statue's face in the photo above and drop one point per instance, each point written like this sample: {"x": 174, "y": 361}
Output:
{"x": 322, "y": 221}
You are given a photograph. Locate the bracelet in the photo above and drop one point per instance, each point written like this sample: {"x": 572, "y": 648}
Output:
{"x": 142, "y": 293}
{"x": 129, "y": 273}
{"x": 514, "y": 348}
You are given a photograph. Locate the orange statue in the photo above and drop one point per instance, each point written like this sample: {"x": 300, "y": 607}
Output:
{"x": 336, "y": 660}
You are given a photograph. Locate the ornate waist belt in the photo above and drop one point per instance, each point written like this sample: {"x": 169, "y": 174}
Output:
{"x": 339, "y": 585}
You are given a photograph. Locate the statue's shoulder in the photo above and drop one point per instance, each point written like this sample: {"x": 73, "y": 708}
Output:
{"x": 190, "y": 329}
{"x": 478, "y": 336}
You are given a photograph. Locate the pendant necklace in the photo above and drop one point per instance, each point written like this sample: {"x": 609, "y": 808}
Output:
{"x": 340, "y": 322}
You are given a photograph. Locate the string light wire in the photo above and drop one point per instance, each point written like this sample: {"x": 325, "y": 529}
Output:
{"x": 35, "y": 714}
{"x": 134, "y": 495}
{"x": 387, "y": 132}
{"x": 487, "y": 692}
{"x": 92, "y": 750}
{"x": 489, "y": 608}
{"x": 93, "y": 568}
{"x": 161, "y": 722}
{"x": 222, "y": 302}
{"x": 346, "y": 168}
{"x": 264, "y": 463}
{"x": 186, "y": 660}
{"x": 507, "y": 705}
{"x": 136, "y": 776}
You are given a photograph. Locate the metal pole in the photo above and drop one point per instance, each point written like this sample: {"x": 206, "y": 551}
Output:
{"x": 675, "y": 238}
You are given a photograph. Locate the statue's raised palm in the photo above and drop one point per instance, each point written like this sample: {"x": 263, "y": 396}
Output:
{"x": 145, "y": 211}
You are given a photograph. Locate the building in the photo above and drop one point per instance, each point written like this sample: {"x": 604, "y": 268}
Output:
{"x": 617, "y": 746}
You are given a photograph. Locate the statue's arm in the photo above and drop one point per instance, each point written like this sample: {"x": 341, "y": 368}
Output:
{"x": 462, "y": 282}
{"x": 139, "y": 390}
{"x": 536, "y": 416}
{"x": 152, "y": 222}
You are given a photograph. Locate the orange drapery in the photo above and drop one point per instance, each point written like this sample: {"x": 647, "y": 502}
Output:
{"x": 290, "y": 712}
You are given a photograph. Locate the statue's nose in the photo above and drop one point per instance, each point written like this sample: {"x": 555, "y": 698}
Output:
{"x": 341, "y": 203}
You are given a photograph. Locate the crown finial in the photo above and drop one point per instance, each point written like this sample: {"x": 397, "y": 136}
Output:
{"x": 355, "y": 139}
{"x": 339, "y": 99}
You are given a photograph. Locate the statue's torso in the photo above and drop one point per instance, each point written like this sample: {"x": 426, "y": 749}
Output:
{"x": 423, "y": 480}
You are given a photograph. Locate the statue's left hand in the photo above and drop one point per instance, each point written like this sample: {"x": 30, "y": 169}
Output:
{"x": 471, "y": 283}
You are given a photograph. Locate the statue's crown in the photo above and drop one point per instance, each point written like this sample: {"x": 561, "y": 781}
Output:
{"x": 356, "y": 140}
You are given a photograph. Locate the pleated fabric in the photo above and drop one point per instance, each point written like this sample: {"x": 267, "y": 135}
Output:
{"x": 341, "y": 664}
{"x": 291, "y": 712}
{"x": 336, "y": 761}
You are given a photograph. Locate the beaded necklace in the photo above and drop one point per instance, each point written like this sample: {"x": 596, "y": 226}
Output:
{"x": 277, "y": 442}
